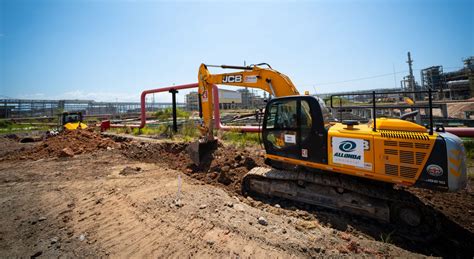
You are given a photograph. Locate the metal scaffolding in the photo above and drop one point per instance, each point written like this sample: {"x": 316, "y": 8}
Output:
{"x": 21, "y": 108}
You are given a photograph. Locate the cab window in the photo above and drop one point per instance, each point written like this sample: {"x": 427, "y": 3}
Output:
{"x": 306, "y": 121}
{"x": 283, "y": 115}
{"x": 288, "y": 123}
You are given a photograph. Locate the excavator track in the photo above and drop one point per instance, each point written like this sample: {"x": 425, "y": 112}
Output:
{"x": 365, "y": 198}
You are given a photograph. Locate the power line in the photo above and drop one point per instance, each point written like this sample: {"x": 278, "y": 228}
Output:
{"x": 369, "y": 77}
{"x": 354, "y": 79}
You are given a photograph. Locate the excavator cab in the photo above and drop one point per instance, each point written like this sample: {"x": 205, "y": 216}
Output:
{"x": 294, "y": 127}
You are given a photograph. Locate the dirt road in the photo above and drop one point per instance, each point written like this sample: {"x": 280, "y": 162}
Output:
{"x": 103, "y": 203}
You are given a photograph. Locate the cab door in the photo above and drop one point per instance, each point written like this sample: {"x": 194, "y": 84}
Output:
{"x": 293, "y": 128}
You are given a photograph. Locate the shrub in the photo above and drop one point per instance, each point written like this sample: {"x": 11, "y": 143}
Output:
{"x": 469, "y": 145}
{"x": 241, "y": 139}
{"x": 5, "y": 124}
{"x": 167, "y": 113}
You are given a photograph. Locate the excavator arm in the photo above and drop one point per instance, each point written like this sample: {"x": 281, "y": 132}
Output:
{"x": 255, "y": 76}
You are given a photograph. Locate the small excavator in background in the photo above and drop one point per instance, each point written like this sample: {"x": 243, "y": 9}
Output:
{"x": 71, "y": 121}
{"x": 344, "y": 165}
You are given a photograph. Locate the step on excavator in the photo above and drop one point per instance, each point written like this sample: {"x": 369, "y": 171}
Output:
{"x": 356, "y": 168}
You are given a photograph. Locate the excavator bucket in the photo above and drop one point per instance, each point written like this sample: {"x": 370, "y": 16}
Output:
{"x": 199, "y": 151}
{"x": 75, "y": 125}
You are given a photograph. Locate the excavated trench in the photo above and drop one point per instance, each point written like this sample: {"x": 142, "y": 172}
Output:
{"x": 225, "y": 167}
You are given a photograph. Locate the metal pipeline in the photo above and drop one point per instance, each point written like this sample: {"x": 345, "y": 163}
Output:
{"x": 458, "y": 131}
{"x": 158, "y": 90}
{"x": 217, "y": 117}
{"x": 467, "y": 132}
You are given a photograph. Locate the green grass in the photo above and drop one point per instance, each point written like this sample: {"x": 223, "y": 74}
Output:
{"x": 120, "y": 130}
{"x": 386, "y": 238}
{"x": 469, "y": 146}
{"x": 189, "y": 132}
{"x": 336, "y": 101}
{"x": 186, "y": 131}
{"x": 162, "y": 129}
{"x": 240, "y": 139}
{"x": 10, "y": 127}
{"x": 167, "y": 113}
{"x": 5, "y": 124}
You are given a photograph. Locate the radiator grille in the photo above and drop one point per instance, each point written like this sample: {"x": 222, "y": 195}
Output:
{"x": 406, "y": 157}
{"x": 405, "y": 144}
{"x": 422, "y": 145}
{"x": 390, "y": 143}
{"x": 391, "y": 169}
{"x": 391, "y": 152}
{"x": 408, "y": 172}
{"x": 420, "y": 157}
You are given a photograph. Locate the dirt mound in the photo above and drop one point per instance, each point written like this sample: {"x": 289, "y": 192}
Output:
{"x": 66, "y": 144}
{"x": 226, "y": 166}
{"x": 458, "y": 206}
{"x": 456, "y": 110}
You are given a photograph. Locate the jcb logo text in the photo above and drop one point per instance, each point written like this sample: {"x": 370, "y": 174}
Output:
{"x": 232, "y": 79}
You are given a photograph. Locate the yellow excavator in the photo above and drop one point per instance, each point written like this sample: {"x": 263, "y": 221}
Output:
{"x": 344, "y": 165}
{"x": 71, "y": 121}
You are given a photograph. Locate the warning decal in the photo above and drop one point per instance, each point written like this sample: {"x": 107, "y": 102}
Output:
{"x": 250, "y": 79}
{"x": 204, "y": 96}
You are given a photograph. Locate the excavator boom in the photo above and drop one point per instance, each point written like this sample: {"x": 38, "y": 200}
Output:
{"x": 254, "y": 76}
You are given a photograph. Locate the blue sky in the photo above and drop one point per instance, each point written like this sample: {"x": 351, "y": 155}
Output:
{"x": 112, "y": 50}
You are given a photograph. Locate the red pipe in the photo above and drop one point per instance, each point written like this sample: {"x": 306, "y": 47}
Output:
{"x": 217, "y": 116}
{"x": 159, "y": 90}
{"x": 461, "y": 131}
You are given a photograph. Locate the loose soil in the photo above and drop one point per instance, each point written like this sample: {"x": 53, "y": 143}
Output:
{"x": 142, "y": 199}
{"x": 77, "y": 141}
{"x": 225, "y": 168}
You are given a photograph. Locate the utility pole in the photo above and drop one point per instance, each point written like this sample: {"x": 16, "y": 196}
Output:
{"x": 246, "y": 93}
{"x": 411, "y": 84}
{"x": 153, "y": 103}
{"x": 394, "y": 76}
{"x": 411, "y": 78}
